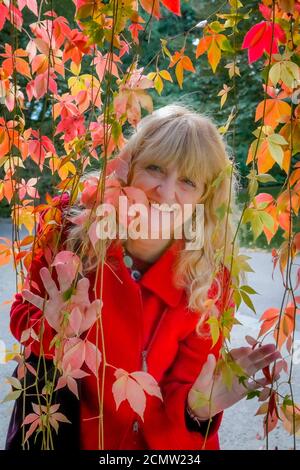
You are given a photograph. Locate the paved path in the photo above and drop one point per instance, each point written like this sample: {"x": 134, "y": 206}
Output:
{"x": 239, "y": 426}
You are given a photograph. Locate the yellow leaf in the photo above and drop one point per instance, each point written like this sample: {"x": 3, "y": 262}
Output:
{"x": 75, "y": 68}
{"x": 214, "y": 329}
{"x": 65, "y": 169}
{"x": 165, "y": 75}
{"x": 165, "y": 49}
{"x": 151, "y": 75}
{"x": 158, "y": 84}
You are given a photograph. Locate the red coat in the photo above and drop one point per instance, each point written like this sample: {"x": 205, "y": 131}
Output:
{"x": 133, "y": 314}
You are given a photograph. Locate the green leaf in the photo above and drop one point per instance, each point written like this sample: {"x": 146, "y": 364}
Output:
{"x": 242, "y": 380}
{"x": 12, "y": 396}
{"x": 216, "y": 26}
{"x": 275, "y": 73}
{"x": 252, "y": 188}
{"x": 68, "y": 293}
{"x": 227, "y": 375}
{"x": 214, "y": 329}
{"x": 248, "y": 301}
{"x": 277, "y": 139}
{"x": 201, "y": 400}
{"x": 290, "y": 74}
{"x": 267, "y": 220}
{"x": 236, "y": 368}
{"x": 226, "y": 46}
{"x": 265, "y": 178}
{"x": 253, "y": 394}
{"x": 276, "y": 152}
{"x": 249, "y": 290}
{"x": 287, "y": 401}
{"x": 14, "y": 382}
{"x": 237, "y": 298}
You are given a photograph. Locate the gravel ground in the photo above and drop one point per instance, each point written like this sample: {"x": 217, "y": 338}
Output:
{"x": 239, "y": 427}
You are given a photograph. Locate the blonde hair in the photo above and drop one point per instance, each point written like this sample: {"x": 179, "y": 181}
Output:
{"x": 177, "y": 134}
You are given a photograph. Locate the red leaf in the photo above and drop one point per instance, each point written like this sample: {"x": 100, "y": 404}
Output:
{"x": 259, "y": 39}
{"x": 265, "y": 11}
{"x": 3, "y": 15}
{"x": 172, "y": 5}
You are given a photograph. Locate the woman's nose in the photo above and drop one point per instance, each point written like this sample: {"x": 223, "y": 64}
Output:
{"x": 167, "y": 191}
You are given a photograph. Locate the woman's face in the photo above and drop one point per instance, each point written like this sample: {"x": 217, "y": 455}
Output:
{"x": 163, "y": 185}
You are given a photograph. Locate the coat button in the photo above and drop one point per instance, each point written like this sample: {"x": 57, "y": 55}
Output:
{"x": 136, "y": 275}
{"x": 135, "y": 426}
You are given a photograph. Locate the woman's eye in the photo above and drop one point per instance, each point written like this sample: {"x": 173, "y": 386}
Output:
{"x": 189, "y": 182}
{"x": 153, "y": 167}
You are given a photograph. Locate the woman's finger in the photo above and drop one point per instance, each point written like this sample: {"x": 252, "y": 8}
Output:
{"x": 266, "y": 361}
{"x": 205, "y": 377}
{"x": 252, "y": 368}
{"x": 33, "y": 298}
{"x": 238, "y": 353}
{"x": 261, "y": 352}
{"x": 260, "y": 383}
{"x": 259, "y": 359}
{"x": 49, "y": 283}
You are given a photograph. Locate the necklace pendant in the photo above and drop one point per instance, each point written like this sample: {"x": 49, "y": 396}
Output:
{"x": 128, "y": 261}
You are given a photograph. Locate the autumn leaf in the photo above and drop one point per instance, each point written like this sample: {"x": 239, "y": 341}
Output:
{"x": 284, "y": 70}
{"x": 214, "y": 329}
{"x": 153, "y": 6}
{"x": 75, "y": 46}
{"x": 224, "y": 93}
{"x": 106, "y": 64}
{"x": 285, "y": 327}
{"x": 157, "y": 76}
{"x": 182, "y": 62}
{"x": 261, "y": 38}
{"x": 287, "y": 5}
{"x": 31, "y": 5}
{"x": 13, "y": 60}
{"x": 270, "y": 148}
{"x": 36, "y": 419}
{"x": 40, "y": 146}
{"x": 290, "y": 415}
{"x": 233, "y": 69}
{"x": 213, "y": 44}
{"x": 134, "y": 29}
{"x": 258, "y": 219}
{"x": 132, "y": 97}
{"x": 11, "y": 14}
{"x": 276, "y": 111}
{"x": 132, "y": 387}
{"x": 27, "y": 187}
{"x": 5, "y": 251}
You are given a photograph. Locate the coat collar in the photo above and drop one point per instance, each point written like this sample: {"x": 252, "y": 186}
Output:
{"x": 159, "y": 278}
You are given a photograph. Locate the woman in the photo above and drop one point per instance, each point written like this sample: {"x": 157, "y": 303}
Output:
{"x": 157, "y": 293}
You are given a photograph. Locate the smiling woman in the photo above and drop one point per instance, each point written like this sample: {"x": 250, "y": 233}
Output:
{"x": 177, "y": 156}
{"x": 140, "y": 315}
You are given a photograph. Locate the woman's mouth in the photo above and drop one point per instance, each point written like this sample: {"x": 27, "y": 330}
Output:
{"x": 164, "y": 207}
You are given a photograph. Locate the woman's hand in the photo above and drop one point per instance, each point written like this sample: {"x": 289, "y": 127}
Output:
{"x": 82, "y": 313}
{"x": 251, "y": 361}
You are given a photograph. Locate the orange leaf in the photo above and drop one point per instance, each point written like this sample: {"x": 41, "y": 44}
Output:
{"x": 214, "y": 55}
{"x": 276, "y": 111}
{"x": 203, "y": 45}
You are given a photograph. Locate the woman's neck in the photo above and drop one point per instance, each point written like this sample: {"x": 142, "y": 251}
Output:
{"x": 147, "y": 250}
